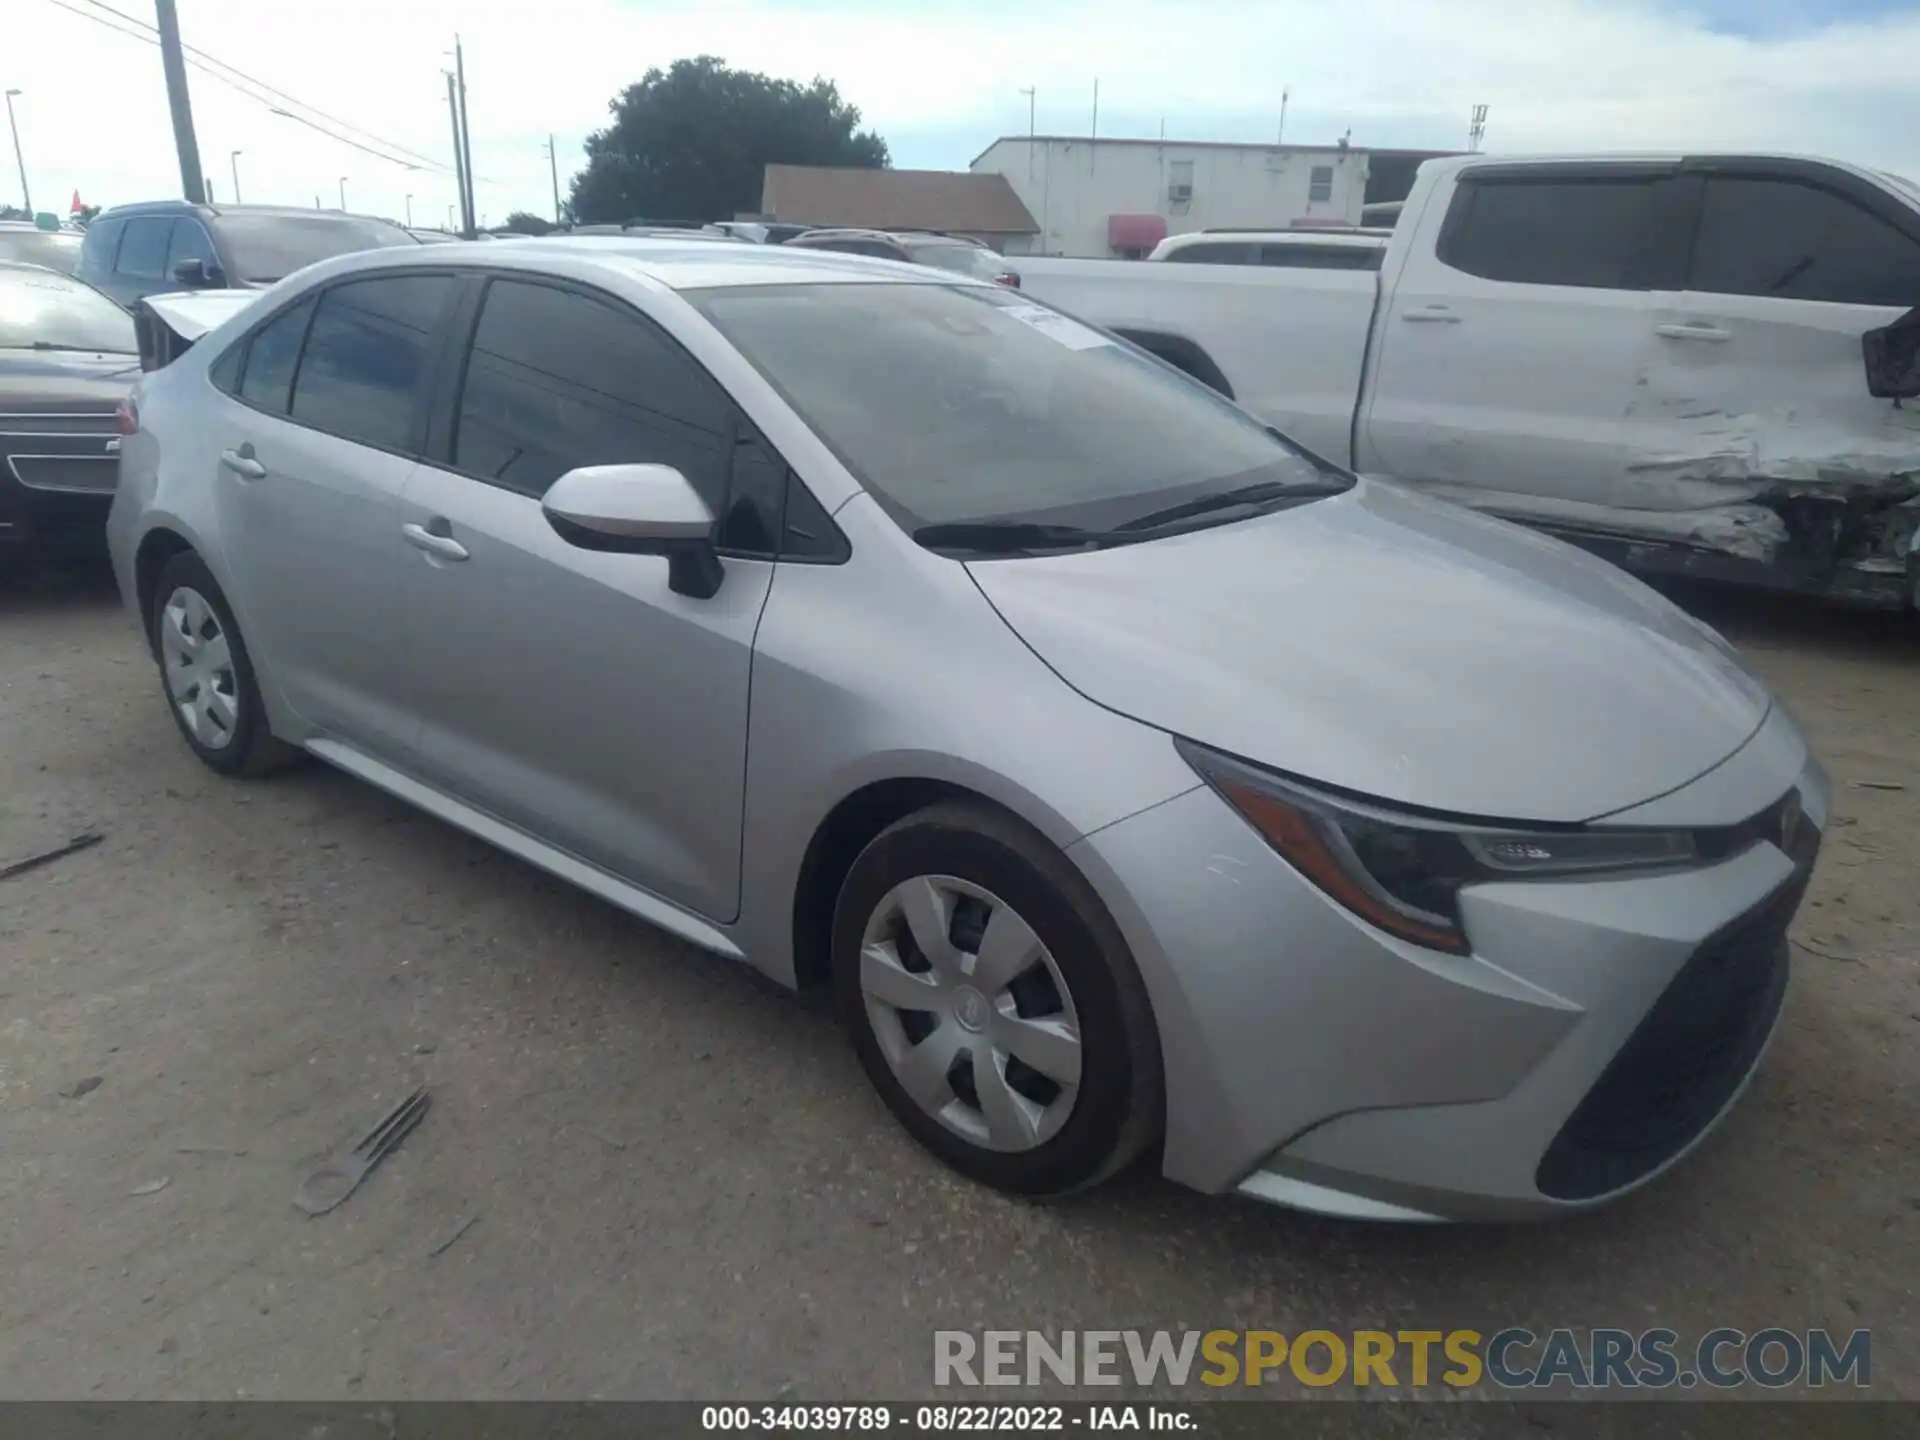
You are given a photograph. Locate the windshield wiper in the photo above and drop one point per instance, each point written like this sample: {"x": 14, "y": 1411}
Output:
{"x": 994, "y": 536}
{"x": 1256, "y": 494}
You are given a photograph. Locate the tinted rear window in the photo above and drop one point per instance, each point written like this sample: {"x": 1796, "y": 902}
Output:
{"x": 44, "y": 310}
{"x": 39, "y": 247}
{"x": 1549, "y": 231}
{"x": 1214, "y": 252}
{"x": 272, "y": 247}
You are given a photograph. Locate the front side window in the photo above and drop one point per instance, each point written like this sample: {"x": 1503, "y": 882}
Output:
{"x": 143, "y": 249}
{"x": 364, "y": 368}
{"x": 266, "y": 372}
{"x": 962, "y": 403}
{"x": 557, "y": 380}
{"x": 1583, "y": 232}
{"x": 1791, "y": 241}
{"x": 42, "y": 310}
{"x": 190, "y": 241}
{"x": 98, "y": 249}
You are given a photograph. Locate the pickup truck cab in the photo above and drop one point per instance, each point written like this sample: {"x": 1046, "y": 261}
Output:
{"x": 1689, "y": 363}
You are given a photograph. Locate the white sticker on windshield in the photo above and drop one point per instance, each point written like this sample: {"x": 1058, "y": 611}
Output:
{"x": 1056, "y": 327}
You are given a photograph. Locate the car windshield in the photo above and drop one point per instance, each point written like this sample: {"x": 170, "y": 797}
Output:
{"x": 959, "y": 404}
{"x": 50, "y": 248}
{"x": 42, "y": 310}
{"x": 967, "y": 259}
{"x": 272, "y": 247}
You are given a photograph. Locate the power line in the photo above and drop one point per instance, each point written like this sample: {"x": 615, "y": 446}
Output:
{"x": 277, "y": 93}
{"x": 240, "y": 82}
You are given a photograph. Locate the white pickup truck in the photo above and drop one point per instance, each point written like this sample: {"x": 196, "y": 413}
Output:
{"x": 1692, "y": 364}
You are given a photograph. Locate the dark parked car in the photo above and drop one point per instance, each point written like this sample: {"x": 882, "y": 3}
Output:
{"x": 28, "y": 244}
{"x": 67, "y": 359}
{"x": 133, "y": 251}
{"x": 943, "y": 252}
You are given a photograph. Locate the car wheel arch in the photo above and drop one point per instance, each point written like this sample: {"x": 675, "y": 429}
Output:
{"x": 157, "y": 547}
{"x": 1183, "y": 354}
{"x": 847, "y": 829}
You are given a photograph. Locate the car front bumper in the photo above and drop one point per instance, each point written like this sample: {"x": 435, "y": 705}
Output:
{"x": 1599, "y": 1030}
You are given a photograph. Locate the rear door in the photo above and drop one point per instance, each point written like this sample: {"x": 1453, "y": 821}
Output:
{"x": 571, "y": 692}
{"x": 1508, "y": 351}
{"x": 1759, "y": 364}
{"x": 330, "y": 405}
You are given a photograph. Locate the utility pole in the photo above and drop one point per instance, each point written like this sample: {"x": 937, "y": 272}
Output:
{"x": 1093, "y": 133}
{"x": 343, "y": 192}
{"x": 26, "y": 195}
{"x": 459, "y": 162}
{"x": 174, "y": 63}
{"x": 234, "y": 160}
{"x": 553, "y": 165}
{"x": 1032, "y": 94}
{"x": 466, "y": 133}
{"x": 1281, "y": 138}
{"x": 409, "y": 212}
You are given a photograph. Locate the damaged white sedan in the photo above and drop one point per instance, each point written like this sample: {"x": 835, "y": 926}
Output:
{"x": 1691, "y": 364}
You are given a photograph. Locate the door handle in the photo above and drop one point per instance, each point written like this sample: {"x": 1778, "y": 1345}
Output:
{"x": 1432, "y": 315}
{"x": 1711, "y": 333}
{"x": 445, "y": 546}
{"x": 242, "y": 463}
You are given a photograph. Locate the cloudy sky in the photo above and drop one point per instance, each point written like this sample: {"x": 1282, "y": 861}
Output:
{"x": 941, "y": 78}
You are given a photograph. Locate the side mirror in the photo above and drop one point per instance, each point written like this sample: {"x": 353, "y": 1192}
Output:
{"x": 196, "y": 275}
{"x": 1892, "y": 356}
{"x": 639, "y": 510}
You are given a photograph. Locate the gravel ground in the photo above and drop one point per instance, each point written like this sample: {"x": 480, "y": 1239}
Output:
{"x": 674, "y": 1179}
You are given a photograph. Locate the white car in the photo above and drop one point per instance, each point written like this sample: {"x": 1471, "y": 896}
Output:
{"x": 1660, "y": 357}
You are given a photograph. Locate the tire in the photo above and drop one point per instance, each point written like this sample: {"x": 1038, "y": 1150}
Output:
{"x": 960, "y": 865}
{"x": 210, "y": 692}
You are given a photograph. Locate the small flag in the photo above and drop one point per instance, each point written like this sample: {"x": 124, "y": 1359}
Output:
{"x": 76, "y": 207}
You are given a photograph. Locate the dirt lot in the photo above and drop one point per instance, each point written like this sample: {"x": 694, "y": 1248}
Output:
{"x": 679, "y": 1182}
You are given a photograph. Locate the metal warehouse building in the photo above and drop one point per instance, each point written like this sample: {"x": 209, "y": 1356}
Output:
{"x": 1099, "y": 197}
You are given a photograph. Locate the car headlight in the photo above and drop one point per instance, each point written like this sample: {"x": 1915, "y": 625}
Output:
{"x": 1404, "y": 872}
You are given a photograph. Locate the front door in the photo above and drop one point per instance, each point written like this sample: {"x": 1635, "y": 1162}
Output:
{"x": 1509, "y": 351}
{"x": 311, "y": 460}
{"x": 1761, "y": 363}
{"x": 568, "y": 692}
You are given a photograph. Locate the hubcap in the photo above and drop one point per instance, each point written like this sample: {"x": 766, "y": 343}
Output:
{"x": 199, "y": 668}
{"x": 971, "y": 1012}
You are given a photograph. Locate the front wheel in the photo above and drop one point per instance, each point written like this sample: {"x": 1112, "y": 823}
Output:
{"x": 993, "y": 1003}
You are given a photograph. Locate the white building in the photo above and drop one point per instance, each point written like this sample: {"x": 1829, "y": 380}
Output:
{"x": 1098, "y": 197}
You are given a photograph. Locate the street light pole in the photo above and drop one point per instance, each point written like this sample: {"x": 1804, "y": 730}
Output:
{"x": 174, "y": 63}
{"x": 26, "y": 195}
{"x": 409, "y": 212}
{"x": 233, "y": 159}
{"x": 343, "y": 192}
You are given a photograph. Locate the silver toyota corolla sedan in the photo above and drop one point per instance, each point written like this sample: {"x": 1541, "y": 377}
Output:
{"x": 1141, "y": 784}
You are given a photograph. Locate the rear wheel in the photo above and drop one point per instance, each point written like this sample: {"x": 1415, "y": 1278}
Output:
{"x": 208, "y": 677}
{"x": 993, "y": 1003}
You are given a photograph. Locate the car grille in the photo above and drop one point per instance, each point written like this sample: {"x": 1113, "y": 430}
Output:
{"x": 1688, "y": 1056}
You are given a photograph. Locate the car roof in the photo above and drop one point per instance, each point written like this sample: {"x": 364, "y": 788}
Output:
{"x": 179, "y": 207}
{"x": 675, "y": 264}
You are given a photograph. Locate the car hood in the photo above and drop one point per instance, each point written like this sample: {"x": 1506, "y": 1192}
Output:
{"x": 1395, "y": 646}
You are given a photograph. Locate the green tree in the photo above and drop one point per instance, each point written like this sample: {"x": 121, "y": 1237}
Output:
{"x": 692, "y": 143}
{"x": 525, "y": 222}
